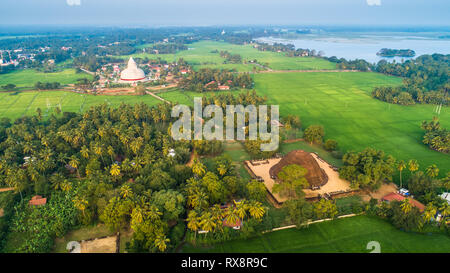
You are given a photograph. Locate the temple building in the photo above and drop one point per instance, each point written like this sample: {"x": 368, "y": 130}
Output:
{"x": 132, "y": 74}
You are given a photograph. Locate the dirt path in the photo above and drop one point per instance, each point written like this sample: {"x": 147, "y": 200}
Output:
{"x": 157, "y": 88}
{"x": 157, "y": 97}
{"x": 191, "y": 159}
{"x": 384, "y": 190}
{"x": 305, "y": 71}
{"x": 294, "y": 140}
{"x": 6, "y": 189}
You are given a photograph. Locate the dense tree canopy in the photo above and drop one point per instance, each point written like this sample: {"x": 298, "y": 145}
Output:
{"x": 367, "y": 169}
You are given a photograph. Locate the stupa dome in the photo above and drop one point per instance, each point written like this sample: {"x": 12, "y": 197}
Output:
{"x": 132, "y": 72}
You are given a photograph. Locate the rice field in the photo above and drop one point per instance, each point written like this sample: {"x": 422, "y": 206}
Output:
{"x": 18, "y": 104}
{"x": 341, "y": 102}
{"x": 346, "y": 235}
{"x": 200, "y": 55}
{"x": 26, "y": 79}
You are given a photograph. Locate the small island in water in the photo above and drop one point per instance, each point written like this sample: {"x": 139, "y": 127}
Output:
{"x": 388, "y": 52}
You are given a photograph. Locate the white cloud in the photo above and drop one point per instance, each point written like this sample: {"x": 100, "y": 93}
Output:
{"x": 374, "y": 2}
{"x": 73, "y": 2}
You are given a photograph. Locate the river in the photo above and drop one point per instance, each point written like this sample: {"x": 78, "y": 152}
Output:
{"x": 365, "y": 46}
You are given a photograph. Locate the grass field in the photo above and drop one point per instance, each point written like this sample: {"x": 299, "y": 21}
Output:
{"x": 342, "y": 235}
{"x": 28, "y": 77}
{"x": 187, "y": 97}
{"x": 200, "y": 55}
{"x": 341, "y": 102}
{"x": 15, "y": 105}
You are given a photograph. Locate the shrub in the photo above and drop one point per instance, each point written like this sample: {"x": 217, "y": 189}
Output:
{"x": 330, "y": 145}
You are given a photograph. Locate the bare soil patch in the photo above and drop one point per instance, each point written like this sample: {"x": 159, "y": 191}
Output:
{"x": 384, "y": 190}
{"x": 334, "y": 184}
{"x": 102, "y": 245}
{"x": 6, "y": 189}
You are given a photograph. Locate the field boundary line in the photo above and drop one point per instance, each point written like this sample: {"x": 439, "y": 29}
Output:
{"x": 31, "y": 103}
{"x": 82, "y": 104}
{"x": 11, "y": 104}
{"x": 312, "y": 222}
{"x": 158, "y": 97}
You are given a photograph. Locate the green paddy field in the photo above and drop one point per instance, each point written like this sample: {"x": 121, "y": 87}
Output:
{"x": 346, "y": 235}
{"x": 341, "y": 102}
{"x": 18, "y": 104}
{"x": 200, "y": 55}
{"x": 25, "y": 79}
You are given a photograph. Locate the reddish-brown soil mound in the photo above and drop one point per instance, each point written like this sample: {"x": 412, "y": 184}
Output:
{"x": 316, "y": 176}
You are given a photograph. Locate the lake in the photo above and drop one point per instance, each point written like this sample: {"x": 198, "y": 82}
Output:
{"x": 365, "y": 46}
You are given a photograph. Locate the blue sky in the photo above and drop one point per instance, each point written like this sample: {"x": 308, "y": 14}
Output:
{"x": 226, "y": 12}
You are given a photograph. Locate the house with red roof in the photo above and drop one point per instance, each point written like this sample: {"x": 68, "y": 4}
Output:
{"x": 393, "y": 196}
{"x": 237, "y": 225}
{"x": 224, "y": 87}
{"x": 37, "y": 200}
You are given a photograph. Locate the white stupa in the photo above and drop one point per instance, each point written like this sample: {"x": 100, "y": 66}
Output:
{"x": 132, "y": 73}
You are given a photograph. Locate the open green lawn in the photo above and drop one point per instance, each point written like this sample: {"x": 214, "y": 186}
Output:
{"x": 15, "y": 105}
{"x": 341, "y": 102}
{"x": 342, "y": 235}
{"x": 187, "y": 97}
{"x": 28, "y": 77}
{"x": 199, "y": 55}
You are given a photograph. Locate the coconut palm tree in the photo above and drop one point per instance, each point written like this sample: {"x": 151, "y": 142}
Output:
{"x": 66, "y": 186}
{"x": 400, "y": 167}
{"x": 126, "y": 191}
{"x": 198, "y": 168}
{"x": 115, "y": 170}
{"x": 193, "y": 222}
{"x": 57, "y": 181}
{"x": 445, "y": 212}
{"x": 432, "y": 171}
{"x": 111, "y": 153}
{"x": 80, "y": 203}
{"x": 413, "y": 165}
{"x": 74, "y": 162}
{"x": 241, "y": 208}
{"x": 256, "y": 209}
{"x": 429, "y": 213}
{"x": 161, "y": 242}
{"x": 222, "y": 169}
{"x": 207, "y": 222}
{"x": 231, "y": 215}
{"x": 198, "y": 199}
{"x": 406, "y": 206}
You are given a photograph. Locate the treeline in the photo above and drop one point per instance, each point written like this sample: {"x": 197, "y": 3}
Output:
{"x": 121, "y": 167}
{"x": 288, "y": 48}
{"x": 371, "y": 168}
{"x": 357, "y": 64}
{"x": 92, "y": 62}
{"x": 436, "y": 137}
{"x": 47, "y": 85}
{"x": 231, "y": 58}
{"x": 166, "y": 48}
{"x": 388, "y": 52}
{"x": 426, "y": 81}
{"x": 209, "y": 79}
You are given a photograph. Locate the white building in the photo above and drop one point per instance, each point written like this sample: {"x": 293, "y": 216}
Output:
{"x": 446, "y": 196}
{"x": 132, "y": 74}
